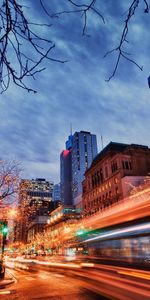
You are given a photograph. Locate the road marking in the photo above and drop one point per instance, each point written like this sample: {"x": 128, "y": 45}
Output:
{"x": 46, "y": 276}
{"x": 43, "y": 276}
{"x": 58, "y": 275}
{"x": 10, "y": 274}
{"x": 30, "y": 278}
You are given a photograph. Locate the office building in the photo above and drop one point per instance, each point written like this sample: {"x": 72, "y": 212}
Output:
{"x": 56, "y": 192}
{"x": 66, "y": 177}
{"x": 35, "y": 202}
{"x": 81, "y": 148}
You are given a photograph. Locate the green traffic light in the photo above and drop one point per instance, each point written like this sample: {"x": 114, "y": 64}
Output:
{"x": 5, "y": 230}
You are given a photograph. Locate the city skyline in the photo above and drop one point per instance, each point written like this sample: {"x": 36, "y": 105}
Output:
{"x": 34, "y": 127}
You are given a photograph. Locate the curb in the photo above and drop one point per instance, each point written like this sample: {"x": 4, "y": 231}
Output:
{"x": 6, "y": 282}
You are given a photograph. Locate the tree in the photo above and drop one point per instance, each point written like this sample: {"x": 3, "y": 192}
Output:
{"x": 9, "y": 181}
{"x": 28, "y": 49}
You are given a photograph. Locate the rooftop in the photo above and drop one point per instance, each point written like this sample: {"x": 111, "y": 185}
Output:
{"x": 114, "y": 147}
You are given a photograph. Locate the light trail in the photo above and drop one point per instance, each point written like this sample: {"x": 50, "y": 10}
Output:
{"x": 120, "y": 231}
{"x": 5, "y": 292}
{"x": 135, "y": 274}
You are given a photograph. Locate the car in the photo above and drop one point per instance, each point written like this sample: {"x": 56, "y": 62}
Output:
{"x": 2, "y": 269}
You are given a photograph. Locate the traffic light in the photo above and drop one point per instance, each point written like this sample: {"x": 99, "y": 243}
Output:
{"x": 4, "y": 229}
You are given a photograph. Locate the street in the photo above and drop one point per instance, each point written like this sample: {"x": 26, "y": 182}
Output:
{"x": 45, "y": 285}
{"x": 45, "y": 280}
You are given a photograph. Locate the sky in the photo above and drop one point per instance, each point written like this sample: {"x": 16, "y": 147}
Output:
{"x": 34, "y": 127}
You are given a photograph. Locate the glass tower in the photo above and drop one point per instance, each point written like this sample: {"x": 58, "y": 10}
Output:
{"x": 81, "y": 148}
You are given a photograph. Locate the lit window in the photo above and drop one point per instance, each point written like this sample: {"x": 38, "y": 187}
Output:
{"x": 116, "y": 180}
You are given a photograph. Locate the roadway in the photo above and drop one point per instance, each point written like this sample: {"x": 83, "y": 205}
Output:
{"x": 44, "y": 285}
{"x": 77, "y": 281}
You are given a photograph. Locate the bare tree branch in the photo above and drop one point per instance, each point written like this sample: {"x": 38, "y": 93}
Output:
{"x": 22, "y": 50}
{"x": 9, "y": 180}
{"x": 82, "y": 9}
{"x": 123, "y": 39}
{"x": 16, "y": 35}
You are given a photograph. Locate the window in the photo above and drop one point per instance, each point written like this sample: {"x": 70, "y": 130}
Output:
{"x": 106, "y": 171}
{"x": 95, "y": 176}
{"x": 98, "y": 178}
{"x": 101, "y": 175}
{"x": 127, "y": 165}
{"x": 85, "y": 139}
{"x": 116, "y": 180}
{"x": 85, "y": 147}
{"x": 92, "y": 181}
{"x": 86, "y": 159}
{"x": 89, "y": 185}
{"x": 117, "y": 190}
{"x": 78, "y": 162}
{"x": 114, "y": 166}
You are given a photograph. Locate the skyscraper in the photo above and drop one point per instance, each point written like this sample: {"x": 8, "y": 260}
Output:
{"x": 81, "y": 148}
{"x": 56, "y": 192}
{"x": 66, "y": 177}
{"x": 84, "y": 149}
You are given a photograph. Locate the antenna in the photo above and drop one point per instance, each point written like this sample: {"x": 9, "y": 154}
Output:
{"x": 102, "y": 142}
{"x": 71, "y": 128}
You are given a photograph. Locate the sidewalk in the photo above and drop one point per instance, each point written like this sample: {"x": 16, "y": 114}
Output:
{"x": 8, "y": 279}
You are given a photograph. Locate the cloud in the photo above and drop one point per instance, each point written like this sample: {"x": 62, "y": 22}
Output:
{"x": 34, "y": 128}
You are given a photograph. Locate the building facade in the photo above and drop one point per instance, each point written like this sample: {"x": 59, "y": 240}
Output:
{"x": 81, "y": 148}
{"x": 66, "y": 177}
{"x": 114, "y": 173}
{"x": 84, "y": 149}
{"x": 35, "y": 200}
{"x": 56, "y": 192}
{"x": 61, "y": 227}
